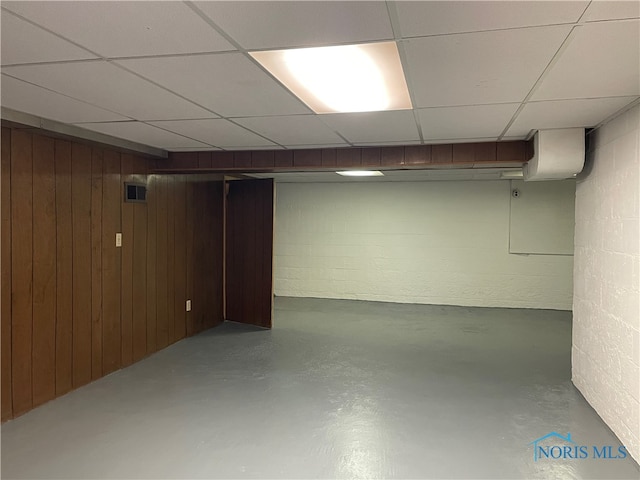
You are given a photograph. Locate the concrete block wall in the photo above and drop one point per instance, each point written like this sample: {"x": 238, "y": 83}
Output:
{"x": 443, "y": 242}
{"x": 606, "y": 316}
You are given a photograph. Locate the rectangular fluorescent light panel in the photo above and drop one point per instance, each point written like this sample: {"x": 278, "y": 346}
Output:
{"x": 361, "y": 173}
{"x": 347, "y": 78}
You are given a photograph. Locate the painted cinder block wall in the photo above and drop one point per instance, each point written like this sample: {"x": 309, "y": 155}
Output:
{"x": 606, "y": 316}
{"x": 444, "y": 242}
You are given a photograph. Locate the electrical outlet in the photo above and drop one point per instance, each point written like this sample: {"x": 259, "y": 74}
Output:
{"x": 118, "y": 239}
{"x": 188, "y": 306}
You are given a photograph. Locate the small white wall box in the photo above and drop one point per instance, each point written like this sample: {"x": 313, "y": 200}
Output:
{"x": 558, "y": 155}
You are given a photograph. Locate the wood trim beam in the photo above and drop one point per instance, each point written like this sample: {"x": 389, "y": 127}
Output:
{"x": 456, "y": 155}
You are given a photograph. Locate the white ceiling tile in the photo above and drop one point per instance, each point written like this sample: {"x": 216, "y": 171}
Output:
{"x": 260, "y": 25}
{"x": 105, "y": 85}
{"x": 612, "y": 10}
{"x": 394, "y": 126}
{"x": 467, "y": 79}
{"x": 441, "y": 17}
{"x": 566, "y": 114}
{"x": 292, "y": 129}
{"x": 142, "y": 133}
{"x": 218, "y": 132}
{"x": 28, "y": 98}
{"x": 465, "y": 122}
{"x": 23, "y": 42}
{"x": 229, "y": 84}
{"x": 602, "y": 60}
{"x": 480, "y": 68}
{"x": 114, "y": 29}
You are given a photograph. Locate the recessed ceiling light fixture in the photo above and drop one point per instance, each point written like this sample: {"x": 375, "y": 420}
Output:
{"x": 348, "y": 78}
{"x": 361, "y": 173}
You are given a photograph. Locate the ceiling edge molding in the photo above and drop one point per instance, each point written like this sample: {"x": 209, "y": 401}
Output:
{"x": 26, "y": 120}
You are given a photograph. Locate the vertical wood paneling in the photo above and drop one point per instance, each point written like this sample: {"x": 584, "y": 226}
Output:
{"x": 485, "y": 152}
{"x": 392, "y": 156}
{"x": 349, "y": 157}
{"x": 464, "y": 152}
{"x": 111, "y": 263}
{"x": 250, "y": 251}
{"x": 126, "y": 315}
{"x": 64, "y": 269}
{"x": 370, "y": 157}
{"x": 21, "y": 269}
{"x": 488, "y": 153}
{"x": 512, "y": 151}
{"x": 232, "y": 278}
{"x": 441, "y": 153}
{"x": 262, "y": 159}
{"x": 212, "y": 254}
{"x": 96, "y": 263}
{"x": 73, "y": 309}
{"x": 416, "y": 155}
{"x": 267, "y": 218}
{"x": 171, "y": 281}
{"x": 180, "y": 271}
{"x": 217, "y": 254}
{"x": 180, "y": 160}
{"x": 189, "y": 240}
{"x": 152, "y": 203}
{"x": 201, "y": 306}
{"x": 5, "y": 285}
{"x": 44, "y": 271}
{"x": 242, "y": 159}
{"x": 204, "y": 159}
{"x": 139, "y": 273}
{"x": 221, "y": 158}
{"x": 307, "y": 158}
{"x": 81, "y": 217}
{"x": 329, "y": 157}
{"x": 205, "y": 312}
{"x": 199, "y": 266}
{"x": 283, "y": 158}
{"x": 162, "y": 333}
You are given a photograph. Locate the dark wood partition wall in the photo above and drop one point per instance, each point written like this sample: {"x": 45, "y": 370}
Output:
{"x": 5, "y": 264}
{"x": 249, "y": 252}
{"x": 206, "y": 255}
{"x": 75, "y": 307}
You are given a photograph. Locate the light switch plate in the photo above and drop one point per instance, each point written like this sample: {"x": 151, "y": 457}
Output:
{"x": 188, "y": 306}
{"x": 118, "y": 239}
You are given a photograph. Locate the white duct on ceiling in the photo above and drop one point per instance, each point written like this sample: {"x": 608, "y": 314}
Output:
{"x": 558, "y": 155}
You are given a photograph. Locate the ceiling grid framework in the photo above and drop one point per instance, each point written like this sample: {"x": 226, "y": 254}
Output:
{"x": 178, "y": 76}
{"x": 397, "y": 35}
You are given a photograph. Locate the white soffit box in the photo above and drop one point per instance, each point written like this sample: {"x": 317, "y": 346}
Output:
{"x": 558, "y": 155}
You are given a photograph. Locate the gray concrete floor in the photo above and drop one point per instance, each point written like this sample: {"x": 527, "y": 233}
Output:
{"x": 339, "y": 389}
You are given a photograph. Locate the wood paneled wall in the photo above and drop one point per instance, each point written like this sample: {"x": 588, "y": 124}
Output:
{"x": 74, "y": 306}
{"x": 249, "y": 254}
{"x": 456, "y": 155}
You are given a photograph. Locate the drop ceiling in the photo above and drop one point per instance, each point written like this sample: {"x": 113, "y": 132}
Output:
{"x": 177, "y": 76}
